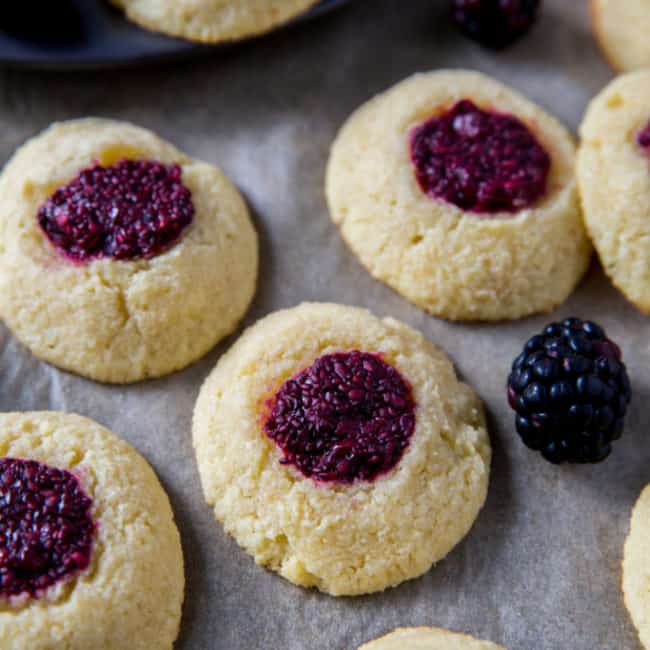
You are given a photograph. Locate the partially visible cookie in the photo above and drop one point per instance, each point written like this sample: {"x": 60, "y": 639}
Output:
{"x": 120, "y": 257}
{"x": 614, "y": 177}
{"x": 90, "y": 556}
{"x": 340, "y": 449}
{"x": 460, "y": 194}
{"x": 636, "y": 568}
{"x": 621, "y": 28}
{"x": 212, "y": 21}
{"x": 427, "y": 638}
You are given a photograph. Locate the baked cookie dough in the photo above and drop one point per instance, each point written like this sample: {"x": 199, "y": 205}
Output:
{"x": 120, "y": 257}
{"x": 212, "y": 21}
{"x": 636, "y": 568}
{"x": 340, "y": 449}
{"x": 621, "y": 29}
{"x": 460, "y": 194}
{"x": 427, "y": 638}
{"x": 90, "y": 556}
{"x": 614, "y": 178}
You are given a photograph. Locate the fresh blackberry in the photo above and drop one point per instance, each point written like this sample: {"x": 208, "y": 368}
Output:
{"x": 495, "y": 23}
{"x": 570, "y": 390}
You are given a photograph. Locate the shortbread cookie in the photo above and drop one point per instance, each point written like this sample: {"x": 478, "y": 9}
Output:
{"x": 621, "y": 29}
{"x": 427, "y": 638}
{"x": 614, "y": 178}
{"x": 90, "y": 556}
{"x": 340, "y": 449}
{"x": 460, "y": 194}
{"x": 636, "y": 568}
{"x": 120, "y": 257}
{"x": 212, "y": 21}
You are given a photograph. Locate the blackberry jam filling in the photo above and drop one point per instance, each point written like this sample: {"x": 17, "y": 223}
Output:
{"x": 133, "y": 209}
{"x": 46, "y": 527}
{"x": 643, "y": 138}
{"x": 347, "y": 417}
{"x": 481, "y": 161}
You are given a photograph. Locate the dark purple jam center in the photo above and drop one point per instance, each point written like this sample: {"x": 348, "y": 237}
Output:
{"x": 133, "y": 209}
{"x": 46, "y": 527}
{"x": 643, "y": 138}
{"x": 348, "y": 416}
{"x": 480, "y": 161}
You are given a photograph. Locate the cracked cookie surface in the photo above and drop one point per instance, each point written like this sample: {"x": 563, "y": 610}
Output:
{"x": 212, "y": 21}
{"x": 450, "y": 261}
{"x": 118, "y": 320}
{"x": 340, "y": 533}
{"x": 131, "y": 592}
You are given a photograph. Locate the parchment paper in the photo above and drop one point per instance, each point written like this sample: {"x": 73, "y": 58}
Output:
{"x": 541, "y": 567}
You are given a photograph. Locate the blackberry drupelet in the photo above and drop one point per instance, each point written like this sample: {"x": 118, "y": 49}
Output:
{"x": 570, "y": 390}
{"x": 495, "y": 23}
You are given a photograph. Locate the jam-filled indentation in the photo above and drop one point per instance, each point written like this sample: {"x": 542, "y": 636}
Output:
{"x": 132, "y": 209}
{"x": 481, "y": 161}
{"x": 643, "y": 138}
{"x": 349, "y": 416}
{"x": 46, "y": 527}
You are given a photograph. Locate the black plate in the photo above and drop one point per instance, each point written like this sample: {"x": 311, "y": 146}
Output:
{"x": 88, "y": 33}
